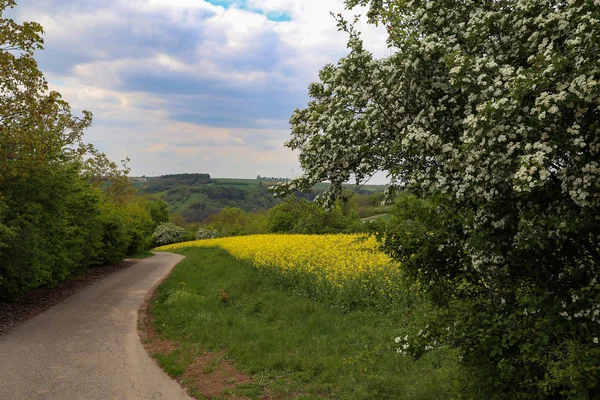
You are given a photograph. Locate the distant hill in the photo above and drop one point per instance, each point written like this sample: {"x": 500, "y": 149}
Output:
{"x": 198, "y": 196}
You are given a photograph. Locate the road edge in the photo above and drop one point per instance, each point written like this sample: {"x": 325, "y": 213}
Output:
{"x": 17, "y": 313}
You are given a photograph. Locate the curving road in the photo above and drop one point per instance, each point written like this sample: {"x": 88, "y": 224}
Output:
{"x": 87, "y": 347}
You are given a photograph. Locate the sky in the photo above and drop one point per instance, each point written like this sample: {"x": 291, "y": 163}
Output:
{"x": 191, "y": 85}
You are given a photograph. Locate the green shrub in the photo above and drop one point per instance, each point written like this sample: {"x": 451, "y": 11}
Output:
{"x": 301, "y": 216}
{"x": 158, "y": 209}
{"x": 232, "y": 221}
{"x": 115, "y": 240}
{"x": 508, "y": 331}
{"x": 139, "y": 227}
{"x": 188, "y": 235}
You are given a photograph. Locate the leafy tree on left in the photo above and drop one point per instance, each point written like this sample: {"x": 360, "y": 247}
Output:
{"x": 53, "y": 218}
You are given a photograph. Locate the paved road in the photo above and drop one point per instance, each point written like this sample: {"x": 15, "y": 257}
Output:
{"x": 87, "y": 347}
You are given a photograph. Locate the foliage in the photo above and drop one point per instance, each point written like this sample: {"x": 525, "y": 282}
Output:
{"x": 198, "y": 199}
{"x": 301, "y": 216}
{"x": 43, "y": 249}
{"x": 106, "y": 175}
{"x": 188, "y": 236}
{"x": 177, "y": 220}
{"x": 204, "y": 233}
{"x": 233, "y": 221}
{"x": 293, "y": 215}
{"x": 6, "y": 233}
{"x": 427, "y": 240}
{"x": 167, "y": 233}
{"x": 114, "y": 233}
{"x": 40, "y": 155}
{"x": 185, "y": 179}
{"x": 63, "y": 205}
{"x": 139, "y": 227}
{"x": 494, "y": 108}
{"x": 199, "y": 202}
{"x": 158, "y": 209}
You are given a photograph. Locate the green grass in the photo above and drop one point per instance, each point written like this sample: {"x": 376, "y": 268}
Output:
{"x": 141, "y": 255}
{"x": 171, "y": 363}
{"x": 179, "y": 207}
{"x": 295, "y": 348}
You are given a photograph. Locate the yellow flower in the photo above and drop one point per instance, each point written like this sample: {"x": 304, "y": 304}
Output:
{"x": 338, "y": 261}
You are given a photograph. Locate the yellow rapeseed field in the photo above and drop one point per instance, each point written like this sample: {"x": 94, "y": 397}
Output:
{"x": 340, "y": 261}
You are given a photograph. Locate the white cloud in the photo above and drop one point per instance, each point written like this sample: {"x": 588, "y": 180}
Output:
{"x": 172, "y": 82}
{"x": 199, "y": 4}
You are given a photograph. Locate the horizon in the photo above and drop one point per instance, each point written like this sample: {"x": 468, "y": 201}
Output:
{"x": 131, "y": 176}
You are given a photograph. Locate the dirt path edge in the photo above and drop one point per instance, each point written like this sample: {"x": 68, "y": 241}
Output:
{"x": 209, "y": 375}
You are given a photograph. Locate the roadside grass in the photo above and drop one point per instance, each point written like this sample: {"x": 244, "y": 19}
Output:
{"x": 292, "y": 346}
{"x": 141, "y": 255}
{"x": 172, "y": 363}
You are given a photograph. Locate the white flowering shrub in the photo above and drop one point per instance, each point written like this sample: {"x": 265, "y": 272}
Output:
{"x": 204, "y": 233}
{"x": 167, "y": 233}
{"x": 492, "y": 108}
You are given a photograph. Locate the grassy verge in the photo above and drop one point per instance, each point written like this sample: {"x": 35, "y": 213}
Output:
{"x": 293, "y": 347}
{"x": 141, "y": 255}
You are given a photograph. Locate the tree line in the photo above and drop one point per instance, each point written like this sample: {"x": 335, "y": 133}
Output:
{"x": 271, "y": 179}
{"x": 292, "y": 215}
{"x": 64, "y": 206}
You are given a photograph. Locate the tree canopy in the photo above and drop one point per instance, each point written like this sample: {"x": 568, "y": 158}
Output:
{"x": 64, "y": 205}
{"x": 491, "y": 111}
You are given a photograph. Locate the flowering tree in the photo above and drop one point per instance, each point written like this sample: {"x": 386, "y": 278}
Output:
{"x": 204, "y": 233}
{"x": 167, "y": 233}
{"x": 491, "y": 110}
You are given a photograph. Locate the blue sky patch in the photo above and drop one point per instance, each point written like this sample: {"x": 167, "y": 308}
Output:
{"x": 243, "y": 5}
{"x": 279, "y": 17}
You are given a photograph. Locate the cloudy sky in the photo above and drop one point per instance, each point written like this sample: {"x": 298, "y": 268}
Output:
{"x": 191, "y": 85}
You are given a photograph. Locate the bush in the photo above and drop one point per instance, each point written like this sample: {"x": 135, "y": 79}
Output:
{"x": 158, "y": 209}
{"x": 188, "y": 236}
{"x": 516, "y": 332}
{"x": 232, "y": 221}
{"x": 204, "y": 233}
{"x": 139, "y": 227}
{"x": 167, "y": 233}
{"x": 302, "y": 216}
{"x": 49, "y": 230}
{"x": 115, "y": 240}
{"x": 428, "y": 241}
